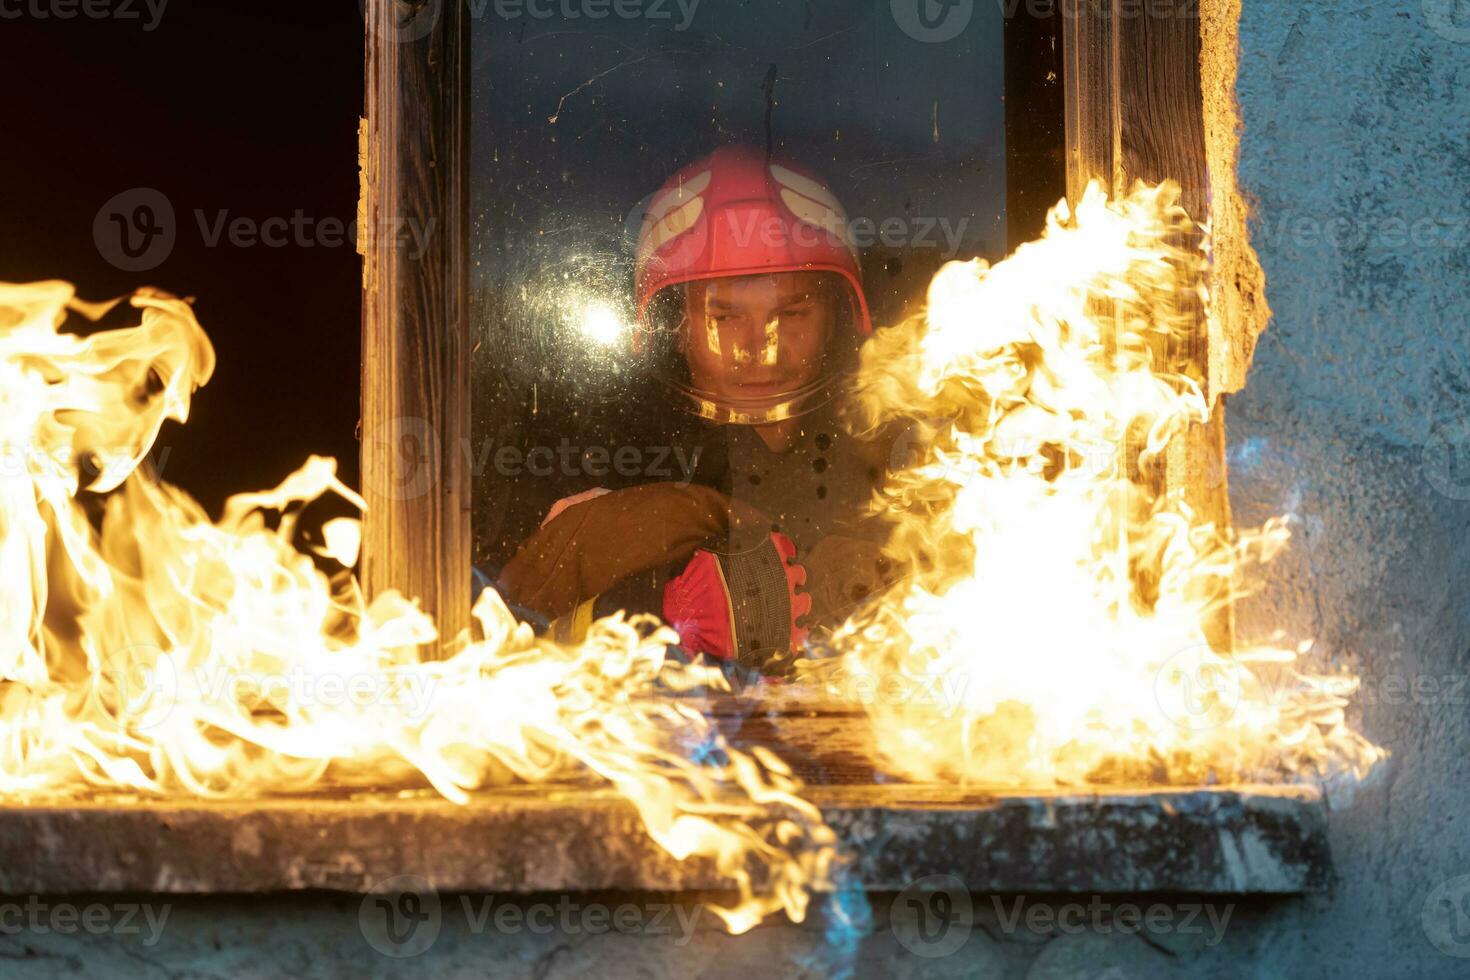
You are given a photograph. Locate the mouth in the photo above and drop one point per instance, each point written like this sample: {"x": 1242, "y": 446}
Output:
{"x": 762, "y": 386}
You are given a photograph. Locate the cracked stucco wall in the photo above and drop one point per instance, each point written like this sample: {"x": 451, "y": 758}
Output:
{"x": 1355, "y": 420}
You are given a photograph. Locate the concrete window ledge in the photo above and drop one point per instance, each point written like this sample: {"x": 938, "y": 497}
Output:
{"x": 1240, "y": 840}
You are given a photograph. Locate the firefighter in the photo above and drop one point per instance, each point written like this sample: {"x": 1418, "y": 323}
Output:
{"x": 750, "y": 313}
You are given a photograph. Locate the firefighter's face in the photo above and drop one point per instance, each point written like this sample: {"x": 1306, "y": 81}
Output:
{"x": 758, "y": 337}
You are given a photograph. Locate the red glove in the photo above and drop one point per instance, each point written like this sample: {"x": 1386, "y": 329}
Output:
{"x": 741, "y": 607}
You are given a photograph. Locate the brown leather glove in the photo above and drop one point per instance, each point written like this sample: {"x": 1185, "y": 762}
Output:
{"x": 595, "y": 544}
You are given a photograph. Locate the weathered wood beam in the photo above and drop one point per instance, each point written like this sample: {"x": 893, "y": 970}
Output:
{"x": 1136, "y": 112}
{"x": 1089, "y": 44}
{"x": 415, "y": 324}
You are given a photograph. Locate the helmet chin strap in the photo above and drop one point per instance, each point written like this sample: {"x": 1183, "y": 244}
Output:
{"x": 711, "y": 407}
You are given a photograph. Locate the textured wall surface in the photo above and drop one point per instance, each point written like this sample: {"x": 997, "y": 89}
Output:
{"x": 1355, "y": 420}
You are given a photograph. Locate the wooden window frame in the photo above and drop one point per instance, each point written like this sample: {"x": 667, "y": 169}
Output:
{"x": 1143, "y": 99}
{"x": 1135, "y": 108}
{"x": 414, "y": 162}
{"x": 1122, "y": 123}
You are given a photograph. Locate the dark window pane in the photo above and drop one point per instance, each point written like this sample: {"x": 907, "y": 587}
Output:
{"x": 578, "y": 122}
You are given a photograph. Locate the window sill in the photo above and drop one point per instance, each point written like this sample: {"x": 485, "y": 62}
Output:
{"x": 1240, "y": 840}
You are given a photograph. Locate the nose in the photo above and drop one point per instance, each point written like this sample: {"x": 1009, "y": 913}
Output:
{"x": 755, "y": 339}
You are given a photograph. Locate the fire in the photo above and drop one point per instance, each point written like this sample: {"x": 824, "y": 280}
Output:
{"x": 148, "y": 649}
{"x": 1051, "y": 628}
{"x": 1059, "y": 601}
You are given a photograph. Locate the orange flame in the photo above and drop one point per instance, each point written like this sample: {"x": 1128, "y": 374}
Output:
{"x": 1022, "y": 649}
{"x": 149, "y": 649}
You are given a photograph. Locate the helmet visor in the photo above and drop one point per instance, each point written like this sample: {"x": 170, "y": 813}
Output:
{"x": 750, "y": 350}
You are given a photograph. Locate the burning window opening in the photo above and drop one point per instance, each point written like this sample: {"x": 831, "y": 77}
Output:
{"x": 151, "y": 650}
{"x": 1062, "y": 597}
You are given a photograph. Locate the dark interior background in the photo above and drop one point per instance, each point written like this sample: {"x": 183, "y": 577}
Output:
{"x": 576, "y": 123}
{"x": 249, "y": 107}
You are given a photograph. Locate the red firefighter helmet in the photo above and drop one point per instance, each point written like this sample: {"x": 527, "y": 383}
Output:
{"x": 740, "y": 213}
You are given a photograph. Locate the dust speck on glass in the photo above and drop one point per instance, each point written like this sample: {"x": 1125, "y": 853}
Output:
{"x": 647, "y": 315}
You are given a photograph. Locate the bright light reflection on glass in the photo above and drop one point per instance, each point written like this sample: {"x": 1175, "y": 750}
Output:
{"x": 601, "y": 324}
